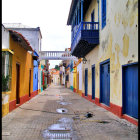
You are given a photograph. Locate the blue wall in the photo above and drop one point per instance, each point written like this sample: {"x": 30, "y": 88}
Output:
{"x": 35, "y": 74}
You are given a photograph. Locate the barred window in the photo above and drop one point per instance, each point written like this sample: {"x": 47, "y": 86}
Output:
{"x": 6, "y": 71}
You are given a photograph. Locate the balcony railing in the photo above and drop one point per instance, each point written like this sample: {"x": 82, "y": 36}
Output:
{"x": 56, "y": 55}
{"x": 88, "y": 31}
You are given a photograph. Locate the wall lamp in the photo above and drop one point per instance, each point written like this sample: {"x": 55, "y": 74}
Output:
{"x": 84, "y": 60}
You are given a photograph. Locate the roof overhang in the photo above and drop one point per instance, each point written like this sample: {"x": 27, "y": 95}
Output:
{"x": 73, "y": 7}
{"x": 21, "y": 40}
{"x": 71, "y": 11}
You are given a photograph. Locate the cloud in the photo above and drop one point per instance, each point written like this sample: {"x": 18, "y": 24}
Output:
{"x": 50, "y": 15}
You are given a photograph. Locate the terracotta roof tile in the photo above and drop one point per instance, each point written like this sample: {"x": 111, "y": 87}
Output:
{"x": 22, "y": 38}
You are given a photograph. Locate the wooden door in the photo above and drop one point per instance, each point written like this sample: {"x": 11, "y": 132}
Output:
{"x": 130, "y": 90}
{"x": 105, "y": 83}
{"x": 17, "y": 83}
{"x": 29, "y": 82}
{"x": 86, "y": 82}
{"x": 93, "y": 82}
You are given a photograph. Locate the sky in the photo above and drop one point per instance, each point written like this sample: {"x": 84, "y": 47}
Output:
{"x": 50, "y": 15}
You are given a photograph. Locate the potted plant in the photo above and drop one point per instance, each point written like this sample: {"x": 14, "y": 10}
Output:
{"x": 5, "y": 80}
{"x": 44, "y": 86}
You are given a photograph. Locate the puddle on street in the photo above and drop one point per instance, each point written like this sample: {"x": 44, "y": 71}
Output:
{"x": 6, "y": 133}
{"x": 61, "y": 130}
{"x": 62, "y": 110}
{"x": 64, "y": 103}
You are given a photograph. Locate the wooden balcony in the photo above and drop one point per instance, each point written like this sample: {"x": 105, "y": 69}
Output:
{"x": 85, "y": 37}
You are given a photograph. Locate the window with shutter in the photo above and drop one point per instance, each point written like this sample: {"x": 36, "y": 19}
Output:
{"x": 103, "y": 13}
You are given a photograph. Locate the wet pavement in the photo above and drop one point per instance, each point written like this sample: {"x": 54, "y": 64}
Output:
{"x": 59, "y": 113}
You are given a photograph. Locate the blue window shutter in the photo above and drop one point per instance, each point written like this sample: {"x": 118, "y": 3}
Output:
{"x": 103, "y": 13}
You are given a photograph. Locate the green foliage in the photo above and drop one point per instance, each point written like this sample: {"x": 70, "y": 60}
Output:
{"x": 5, "y": 81}
{"x": 57, "y": 67}
{"x": 44, "y": 86}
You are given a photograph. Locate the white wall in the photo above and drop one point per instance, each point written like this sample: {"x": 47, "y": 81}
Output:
{"x": 33, "y": 36}
{"x": 5, "y": 38}
{"x": 79, "y": 69}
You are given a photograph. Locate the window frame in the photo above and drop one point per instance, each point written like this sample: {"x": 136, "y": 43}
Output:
{"x": 103, "y": 8}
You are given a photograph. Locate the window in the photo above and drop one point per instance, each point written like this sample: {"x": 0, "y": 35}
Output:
{"x": 103, "y": 13}
{"x": 6, "y": 71}
{"x": 92, "y": 20}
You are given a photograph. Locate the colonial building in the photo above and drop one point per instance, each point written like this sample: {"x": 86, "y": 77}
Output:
{"x": 71, "y": 74}
{"x": 34, "y": 37}
{"x": 44, "y": 73}
{"x": 17, "y": 70}
{"x": 66, "y": 64}
{"x": 7, "y": 54}
{"x": 104, "y": 33}
{"x": 55, "y": 76}
{"x": 62, "y": 73}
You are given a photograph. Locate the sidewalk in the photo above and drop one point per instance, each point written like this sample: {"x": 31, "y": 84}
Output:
{"x": 31, "y": 120}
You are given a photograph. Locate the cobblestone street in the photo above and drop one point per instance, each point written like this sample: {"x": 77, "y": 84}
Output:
{"x": 31, "y": 120}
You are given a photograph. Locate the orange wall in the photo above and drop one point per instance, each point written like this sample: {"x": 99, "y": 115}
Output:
{"x": 25, "y": 60}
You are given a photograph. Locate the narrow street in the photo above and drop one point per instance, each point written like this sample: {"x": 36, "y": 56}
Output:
{"x": 59, "y": 113}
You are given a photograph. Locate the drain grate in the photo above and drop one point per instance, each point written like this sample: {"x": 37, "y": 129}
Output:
{"x": 63, "y": 130}
{"x": 62, "y": 110}
{"x": 58, "y": 131}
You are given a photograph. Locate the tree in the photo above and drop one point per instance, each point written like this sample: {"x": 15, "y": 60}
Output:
{"x": 57, "y": 67}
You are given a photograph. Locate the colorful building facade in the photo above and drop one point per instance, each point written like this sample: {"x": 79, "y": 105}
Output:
{"x": 7, "y": 54}
{"x": 71, "y": 75}
{"x": 35, "y": 73}
{"x": 105, "y": 34}
{"x": 21, "y": 71}
{"x": 34, "y": 37}
{"x": 55, "y": 76}
{"x": 62, "y": 73}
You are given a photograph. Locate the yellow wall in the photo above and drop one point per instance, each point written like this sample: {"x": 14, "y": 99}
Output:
{"x": 75, "y": 77}
{"x": 5, "y": 109}
{"x": 25, "y": 60}
{"x": 118, "y": 42}
{"x": 93, "y": 6}
{"x": 5, "y": 103}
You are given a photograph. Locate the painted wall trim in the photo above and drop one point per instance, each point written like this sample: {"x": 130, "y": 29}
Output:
{"x": 23, "y": 99}
{"x": 129, "y": 64}
{"x": 115, "y": 109}
{"x": 8, "y": 50}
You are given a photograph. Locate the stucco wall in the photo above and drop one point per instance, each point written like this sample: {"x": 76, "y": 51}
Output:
{"x": 92, "y": 58}
{"x": 71, "y": 79}
{"x": 32, "y": 36}
{"x": 22, "y": 57}
{"x": 93, "y": 6}
{"x": 56, "y": 79}
{"x": 39, "y": 79}
{"x": 79, "y": 69}
{"x": 118, "y": 42}
{"x": 5, "y": 38}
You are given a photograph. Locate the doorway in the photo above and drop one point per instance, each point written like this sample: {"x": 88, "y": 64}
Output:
{"x": 78, "y": 81}
{"x": 29, "y": 82}
{"x": 130, "y": 90}
{"x": 105, "y": 82}
{"x": 93, "y": 81}
{"x": 86, "y": 82}
{"x": 17, "y": 83}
